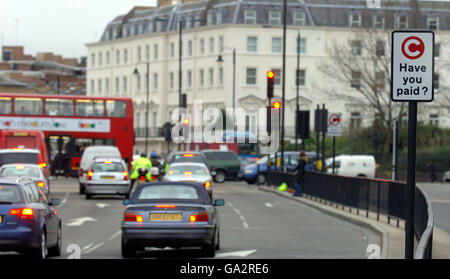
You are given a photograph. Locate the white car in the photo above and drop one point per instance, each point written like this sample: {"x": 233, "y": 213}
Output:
{"x": 27, "y": 170}
{"x": 352, "y": 165}
{"x": 190, "y": 172}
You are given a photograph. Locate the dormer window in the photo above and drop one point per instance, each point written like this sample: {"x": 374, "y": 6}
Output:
{"x": 402, "y": 22}
{"x": 250, "y": 17}
{"x": 299, "y": 18}
{"x": 355, "y": 20}
{"x": 274, "y": 17}
{"x": 433, "y": 22}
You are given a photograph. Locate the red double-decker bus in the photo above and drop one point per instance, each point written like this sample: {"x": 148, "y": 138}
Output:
{"x": 70, "y": 124}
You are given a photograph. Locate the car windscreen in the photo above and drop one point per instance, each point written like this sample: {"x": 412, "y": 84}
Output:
{"x": 108, "y": 167}
{"x": 187, "y": 158}
{"x": 188, "y": 169}
{"x": 19, "y": 157}
{"x": 10, "y": 194}
{"x": 20, "y": 171}
{"x": 169, "y": 192}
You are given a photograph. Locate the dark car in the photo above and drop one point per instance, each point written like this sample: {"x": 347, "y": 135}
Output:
{"x": 225, "y": 164}
{"x": 28, "y": 223}
{"x": 192, "y": 157}
{"x": 170, "y": 214}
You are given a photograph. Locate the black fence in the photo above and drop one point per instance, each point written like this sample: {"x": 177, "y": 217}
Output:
{"x": 383, "y": 197}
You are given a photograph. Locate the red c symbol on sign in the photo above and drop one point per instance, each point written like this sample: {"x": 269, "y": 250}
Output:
{"x": 334, "y": 119}
{"x": 411, "y": 49}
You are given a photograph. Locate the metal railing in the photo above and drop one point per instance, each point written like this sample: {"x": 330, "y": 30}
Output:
{"x": 383, "y": 197}
{"x": 153, "y": 132}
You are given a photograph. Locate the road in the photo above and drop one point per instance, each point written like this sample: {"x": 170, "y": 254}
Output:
{"x": 439, "y": 195}
{"x": 254, "y": 224}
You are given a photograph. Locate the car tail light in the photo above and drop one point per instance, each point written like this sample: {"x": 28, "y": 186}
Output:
{"x": 40, "y": 184}
{"x": 153, "y": 177}
{"x": 188, "y": 155}
{"x": 89, "y": 175}
{"x": 22, "y": 213}
{"x": 207, "y": 184}
{"x": 142, "y": 178}
{"x": 125, "y": 175}
{"x": 132, "y": 217}
{"x": 42, "y": 165}
{"x": 200, "y": 217}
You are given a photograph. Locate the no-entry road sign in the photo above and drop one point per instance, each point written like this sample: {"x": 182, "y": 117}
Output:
{"x": 412, "y": 66}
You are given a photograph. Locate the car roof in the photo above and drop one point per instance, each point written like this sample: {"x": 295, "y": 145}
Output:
{"x": 20, "y": 164}
{"x": 113, "y": 159}
{"x": 15, "y": 180}
{"x": 27, "y": 150}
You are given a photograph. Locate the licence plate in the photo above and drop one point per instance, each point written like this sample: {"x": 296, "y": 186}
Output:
{"x": 190, "y": 181}
{"x": 165, "y": 217}
{"x": 108, "y": 177}
{"x": 1, "y": 219}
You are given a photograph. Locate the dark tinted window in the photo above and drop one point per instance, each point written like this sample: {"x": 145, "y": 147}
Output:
{"x": 195, "y": 158}
{"x": 108, "y": 167}
{"x": 225, "y": 156}
{"x": 209, "y": 156}
{"x": 19, "y": 157}
{"x": 10, "y": 194}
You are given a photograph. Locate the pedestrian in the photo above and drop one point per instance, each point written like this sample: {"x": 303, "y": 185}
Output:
{"x": 432, "y": 168}
{"x": 300, "y": 174}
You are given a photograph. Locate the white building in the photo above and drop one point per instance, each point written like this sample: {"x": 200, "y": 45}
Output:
{"x": 254, "y": 30}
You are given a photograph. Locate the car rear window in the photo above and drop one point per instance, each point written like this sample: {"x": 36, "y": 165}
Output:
{"x": 108, "y": 167}
{"x": 168, "y": 192}
{"x": 225, "y": 156}
{"x": 193, "y": 170}
{"x": 9, "y": 194}
{"x": 195, "y": 158}
{"x": 20, "y": 171}
{"x": 19, "y": 157}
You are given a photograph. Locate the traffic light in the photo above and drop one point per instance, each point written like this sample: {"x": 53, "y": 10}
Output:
{"x": 270, "y": 77}
{"x": 302, "y": 124}
{"x": 276, "y": 105}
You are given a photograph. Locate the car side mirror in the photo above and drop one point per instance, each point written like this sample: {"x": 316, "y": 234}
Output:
{"x": 126, "y": 202}
{"x": 219, "y": 202}
{"x": 54, "y": 202}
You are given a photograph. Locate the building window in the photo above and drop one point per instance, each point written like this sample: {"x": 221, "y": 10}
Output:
{"x": 99, "y": 84}
{"x": 299, "y": 18}
{"x": 434, "y": 119}
{"x": 125, "y": 56}
{"x": 202, "y": 46}
{"x": 252, "y": 44}
{"x": 92, "y": 87}
{"x": 210, "y": 18}
{"x": 155, "y": 52}
{"x": 301, "y": 77}
{"x": 436, "y": 81}
{"x": 171, "y": 80}
{"x": 437, "y": 50}
{"x": 117, "y": 86}
{"x": 274, "y": 17}
{"x": 125, "y": 85}
{"x": 211, "y": 77}
{"x": 107, "y": 58}
{"x": 189, "y": 81}
{"x": 93, "y": 60}
{"x": 433, "y": 22}
{"x": 158, "y": 26}
{"x": 190, "y": 48}
{"x": 138, "y": 120}
{"x": 380, "y": 49}
{"x": 250, "y": 17}
{"x": 202, "y": 78}
{"x": 379, "y": 80}
{"x": 147, "y": 53}
{"x": 221, "y": 44}
{"x": 277, "y": 77}
{"x": 219, "y": 16}
{"x": 172, "y": 50}
{"x": 117, "y": 57}
{"x": 378, "y": 22}
{"x": 138, "y": 83}
{"x": 198, "y": 19}
{"x": 251, "y": 76}
{"x": 139, "y": 54}
{"x": 356, "y": 47}
{"x": 402, "y": 22}
{"x": 220, "y": 76}
{"x": 356, "y": 80}
{"x": 155, "y": 81}
{"x": 276, "y": 45}
{"x": 107, "y": 86}
{"x": 301, "y": 46}
{"x": 136, "y": 29}
{"x": 211, "y": 45}
{"x": 355, "y": 20}
{"x": 188, "y": 22}
{"x": 355, "y": 120}
{"x": 100, "y": 59}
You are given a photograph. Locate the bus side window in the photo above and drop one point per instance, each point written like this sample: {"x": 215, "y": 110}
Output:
{"x": 28, "y": 106}
{"x": 5, "y": 105}
{"x": 116, "y": 108}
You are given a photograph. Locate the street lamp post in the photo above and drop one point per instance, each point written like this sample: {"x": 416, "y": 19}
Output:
{"x": 136, "y": 72}
{"x": 220, "y": 60}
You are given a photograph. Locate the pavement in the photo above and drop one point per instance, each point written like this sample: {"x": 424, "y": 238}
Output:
{"x": 391, "y": 231}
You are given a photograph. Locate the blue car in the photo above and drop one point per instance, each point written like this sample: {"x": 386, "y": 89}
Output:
{"x": 28, "y": 223}
{"x": 251, "y": 174}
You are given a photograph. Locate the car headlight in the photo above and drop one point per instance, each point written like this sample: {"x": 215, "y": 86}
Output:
{"x": 248, "y": 171}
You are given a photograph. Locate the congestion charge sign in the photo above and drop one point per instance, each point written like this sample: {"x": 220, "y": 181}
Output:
{"x": 412, "y": 66}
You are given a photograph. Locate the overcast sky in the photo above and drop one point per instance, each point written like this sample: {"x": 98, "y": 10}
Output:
{"x": 59, "y": 26}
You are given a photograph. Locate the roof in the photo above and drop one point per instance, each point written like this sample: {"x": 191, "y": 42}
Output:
{"x": 4, "y": 81}
{"x": 331, "y": 13}
{"x": 14, "y": 150}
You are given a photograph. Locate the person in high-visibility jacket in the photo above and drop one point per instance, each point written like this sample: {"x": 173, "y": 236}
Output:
{"x": 142, "y": 162}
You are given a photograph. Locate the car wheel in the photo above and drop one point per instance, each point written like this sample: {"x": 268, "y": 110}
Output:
{"x": 40, "y": 253}
{"x": 261, "y": 178}
{"x": 218, "y": 241}
{"x": 81, "y": 189}
{"x": 210, "y": 250}
{"x": 127, "y": 250}
{"x": 220, "y": 176}
{"x": 56, "y": 251}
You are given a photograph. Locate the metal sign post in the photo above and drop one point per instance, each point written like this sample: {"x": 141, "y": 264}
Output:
{"x": 412, "y": 69}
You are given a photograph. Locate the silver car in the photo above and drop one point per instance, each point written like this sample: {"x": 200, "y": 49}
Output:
{"x": 107, "y": 176}
{"x": 27, "y": 170}
{"x": 446, "y": 177}
{"x": 190, "y": 172}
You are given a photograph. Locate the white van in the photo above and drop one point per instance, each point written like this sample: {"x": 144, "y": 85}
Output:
{"x": 88, "y": 157}
{"x": 353, "y": 165}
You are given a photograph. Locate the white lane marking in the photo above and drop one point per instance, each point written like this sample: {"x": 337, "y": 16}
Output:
{"x": 236, "y": 254}
{"x": 268, "y": 204}
{"x": 87, "y": 246}
{"x": 241, "y": 216}
{"x": 64, "y": 200}
{"x": 245, "y": 224}
{"x": 80, "y": 221}
{"x": 95, "y": 247}
{"x": 118, "y": 233}
{"x": 102, "y": 205}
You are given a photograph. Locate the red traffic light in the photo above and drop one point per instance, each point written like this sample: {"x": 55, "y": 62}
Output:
{"x": 270, "y": 74}
{"x": 276, "y": 105}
